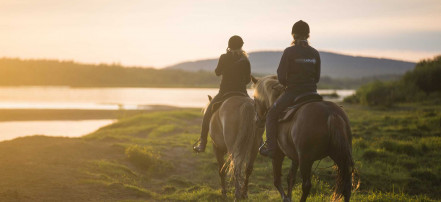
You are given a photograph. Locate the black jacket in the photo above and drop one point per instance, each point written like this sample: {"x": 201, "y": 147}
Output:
{"x": 299, "y": 68}
{"x": 235, "y": 71}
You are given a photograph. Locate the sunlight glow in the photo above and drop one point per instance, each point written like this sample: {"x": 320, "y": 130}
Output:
{"x": 154, "y": 33}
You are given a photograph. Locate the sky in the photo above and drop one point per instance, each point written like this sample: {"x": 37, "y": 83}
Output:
{"x": 158, "y": 33}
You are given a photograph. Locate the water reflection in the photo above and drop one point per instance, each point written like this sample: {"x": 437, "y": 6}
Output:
{"x": 110, "y": 98}
{"x": 12, "y": 129}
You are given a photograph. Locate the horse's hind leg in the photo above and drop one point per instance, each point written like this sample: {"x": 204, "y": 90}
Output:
{"x": 345, "y": 173}
{"x": 305, "y": 170}
{"x": 248, "y": 172}
{"x": 292, "y": 177}
{"x": 344, "y": 178}
{"x": 222, "y": 169}
{"x": 277, "y": 171}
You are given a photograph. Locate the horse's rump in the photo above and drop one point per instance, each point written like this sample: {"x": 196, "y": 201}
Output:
{"x": 232, "y": 130}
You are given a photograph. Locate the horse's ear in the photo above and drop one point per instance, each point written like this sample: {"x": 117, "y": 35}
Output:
{"x": 254, "y": 79}
{"x": 209, "y": 98}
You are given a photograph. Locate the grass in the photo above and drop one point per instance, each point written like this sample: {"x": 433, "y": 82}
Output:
{"x": 149, "y": 157}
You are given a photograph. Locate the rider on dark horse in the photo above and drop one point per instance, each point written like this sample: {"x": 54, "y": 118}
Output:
{"x": 235, "y": 69}
{"x": 299, "y": 73}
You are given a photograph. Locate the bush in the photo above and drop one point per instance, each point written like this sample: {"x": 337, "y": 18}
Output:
{"x": 420, "y": 84}
{"x": 426, "y": 75}
{"x": 141, "y": 156}
{"x": 377, "y": 93}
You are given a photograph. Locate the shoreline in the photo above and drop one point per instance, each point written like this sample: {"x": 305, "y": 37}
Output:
{"x": 73, "y": 114}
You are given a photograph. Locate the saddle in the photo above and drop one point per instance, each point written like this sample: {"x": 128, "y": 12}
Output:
{"x": 301, "y": 100}
{"x": 216, "y": 105}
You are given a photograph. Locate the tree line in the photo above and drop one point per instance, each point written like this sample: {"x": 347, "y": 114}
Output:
{"x": 18, "y": 72}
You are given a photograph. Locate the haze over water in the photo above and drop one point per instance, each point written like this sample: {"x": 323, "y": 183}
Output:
{"x": 60, "y": 98}
{"x": 111, "y": 98}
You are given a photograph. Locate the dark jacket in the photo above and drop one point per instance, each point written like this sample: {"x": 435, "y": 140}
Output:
{"x": 299, "y": 67}
{"x": 235, "y": 71}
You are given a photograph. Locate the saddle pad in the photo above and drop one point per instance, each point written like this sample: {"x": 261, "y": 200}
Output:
{"x": 216, "y": 105}
{"x": 299, "y": 102}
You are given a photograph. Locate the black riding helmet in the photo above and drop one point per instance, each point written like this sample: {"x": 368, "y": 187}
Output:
{"x": 235, "y": 42}
{"x": 300, "y": 28}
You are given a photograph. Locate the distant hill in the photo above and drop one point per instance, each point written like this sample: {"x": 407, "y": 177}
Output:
{"x": 333, "y": 65}
{"x": 17, "y": 72}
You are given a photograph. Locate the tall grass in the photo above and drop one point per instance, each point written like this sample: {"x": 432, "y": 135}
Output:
{"x": 141, "y": 156}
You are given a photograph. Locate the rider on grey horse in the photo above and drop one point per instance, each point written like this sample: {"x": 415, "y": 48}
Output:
{"x": 235, "y": 69}
{"x": 299, "y": 72}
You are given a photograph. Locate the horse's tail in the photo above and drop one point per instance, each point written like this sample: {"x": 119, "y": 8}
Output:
{"x": 245, "y": 141}
{"x": 341, "y": 147}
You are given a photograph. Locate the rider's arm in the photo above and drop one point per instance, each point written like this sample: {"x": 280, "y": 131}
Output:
{"x": 220, "y": 65}
{"x": 282, "y": 71}
{"x": 318, "y": 68}
{"x": 246, "y": 72}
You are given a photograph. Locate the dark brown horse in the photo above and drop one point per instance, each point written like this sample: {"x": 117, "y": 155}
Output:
{"x": 317, "y": 130}
{"x": 234, "y": 132}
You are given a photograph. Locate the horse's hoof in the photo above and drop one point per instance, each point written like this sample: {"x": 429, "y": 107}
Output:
{"x": 224, "y": 195}
{"x": 239, "y": 198}
{"x": 286, "y": 199}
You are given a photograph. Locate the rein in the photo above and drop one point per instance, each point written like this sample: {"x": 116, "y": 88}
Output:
{"x": 260, "y": 122}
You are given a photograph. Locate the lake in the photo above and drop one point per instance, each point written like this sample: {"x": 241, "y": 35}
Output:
{"x": 111, "y": 98}
{"x": 59, "y": 97}
{"x": 13, "y": 129}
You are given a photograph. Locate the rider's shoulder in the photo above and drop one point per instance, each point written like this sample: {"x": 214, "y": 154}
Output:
{"x": 312, "y": 48}
{"x": 315, "y": 51}
{"x": 289, "y": 50}
{"x": 224, "y": 55}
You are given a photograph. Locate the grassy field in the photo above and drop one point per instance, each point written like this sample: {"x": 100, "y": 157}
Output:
{"x": 149, "y": 157}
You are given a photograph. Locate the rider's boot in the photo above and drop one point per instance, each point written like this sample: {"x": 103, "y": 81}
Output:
{"x": 267, "y": 150}
{"x": 269, "y": 147}
{"x": 200, "y": 147}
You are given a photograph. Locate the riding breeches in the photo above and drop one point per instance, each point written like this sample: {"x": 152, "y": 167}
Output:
{"x": 274, "y": 113}
{"x": 207, "y": 116}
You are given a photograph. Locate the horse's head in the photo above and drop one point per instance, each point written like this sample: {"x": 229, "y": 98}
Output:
{"x": 266, "y": 91}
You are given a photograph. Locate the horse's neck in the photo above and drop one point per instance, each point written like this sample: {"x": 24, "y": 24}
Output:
{"x": 272, "y": 101}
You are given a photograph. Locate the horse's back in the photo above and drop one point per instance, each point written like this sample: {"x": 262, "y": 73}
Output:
{"x": 229, "y": 112}
{"x": 308, "y": 131}
{"x": 225, "y": 123}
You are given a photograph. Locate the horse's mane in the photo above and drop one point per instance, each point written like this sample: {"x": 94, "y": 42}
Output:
{"x": 267, "y": 89}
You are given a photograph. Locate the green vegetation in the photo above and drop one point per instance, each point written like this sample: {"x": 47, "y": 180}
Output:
{"x": 420, "y": 84}
{"x": 149, "y": 157}
{"x": 352, "y": 83}
{"x": 16, "y": 72}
